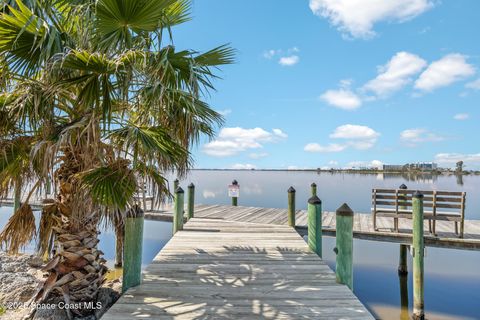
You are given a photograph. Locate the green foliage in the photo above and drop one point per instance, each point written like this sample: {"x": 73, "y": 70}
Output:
{"x": 94, "y": 95}
{"x": 113, "y": 185}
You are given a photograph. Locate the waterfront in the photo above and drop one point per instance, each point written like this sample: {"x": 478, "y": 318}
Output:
{"x": 451, "y": 278}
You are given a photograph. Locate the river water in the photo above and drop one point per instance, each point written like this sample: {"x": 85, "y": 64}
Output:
{"x": 452, "y": 277}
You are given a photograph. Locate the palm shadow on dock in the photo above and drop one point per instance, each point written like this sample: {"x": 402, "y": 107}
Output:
{"x": 239, "y": 282}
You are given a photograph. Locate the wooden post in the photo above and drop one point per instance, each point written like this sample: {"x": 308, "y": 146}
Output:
{"x": 132, "y": 250}
{"x": 402, "y": 262}
{"x": 344, "y": 246}
{"x": 291, "y": 207}
{"x": 315, "y": 225}
{"x": 404, "y": 311}
{"x": 191, "y": 200}
{"x": 178, "y": 210}
{"x": 235, "y": 199}
{"x": 313, "y": 188}
{"x": 175, "y": 185}
{"x": 17, "y": 197}
{"x": 418, "y": 256}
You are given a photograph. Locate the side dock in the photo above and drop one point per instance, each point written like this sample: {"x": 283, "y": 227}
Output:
{"x": 362, "y": 227}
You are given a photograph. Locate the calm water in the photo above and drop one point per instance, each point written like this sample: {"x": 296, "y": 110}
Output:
{"x": 452, "y": 279}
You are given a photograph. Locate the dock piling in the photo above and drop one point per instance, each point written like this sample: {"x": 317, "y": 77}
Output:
{"x": 344, "y": 246}
{"x": 291, "y": 207}
{"x": 132, "y": 249}
{"x": 418, "y": 257}
{"x": 176, "y": 183}
{"x": 402, "y": 261}
{"x": 235, "y": 199}
{"x": 313, "y": 189}
{"x": 191, "y": 200}
{"x": 178, "y": 210}
{"x": 315, "y": 225}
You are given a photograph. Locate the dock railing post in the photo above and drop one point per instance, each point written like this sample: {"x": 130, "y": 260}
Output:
{"x": 402, "y": 262}
{"x": 291, "y": 207}
{"x": 344, "y": 246}
{"x": 178, "y": 210}
{"x": 418, "y": 257}
{"x": 315, "y": 225}
{"x": 132, "y": 248}
{"x": 235, "y": 199}
{"x": 191, "y": 200}
{"x": 313, "y": 189}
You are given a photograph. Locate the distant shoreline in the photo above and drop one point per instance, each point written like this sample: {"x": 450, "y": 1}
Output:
{"x": 363, "y": 171}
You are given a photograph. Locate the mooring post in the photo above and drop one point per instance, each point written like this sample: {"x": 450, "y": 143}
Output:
{"x": 344, "y": 246}
{"x": 291, "y": 207}
{"x": 313, "y": 189}
{"x": 235, "y": 199}
{"x": 191, "y": 200}
{"x": 132, "y": 249}
{"x": 402, "y": 262}
{"x": 178, "y": 210}
{"x": 315, "y": 225}
{"x": 176, "y": 183}
{"x": 418, "y": 256}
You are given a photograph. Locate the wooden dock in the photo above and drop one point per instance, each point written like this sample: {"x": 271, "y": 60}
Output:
{"x": 220, "y": 269}
{"x": 362, "y": 228}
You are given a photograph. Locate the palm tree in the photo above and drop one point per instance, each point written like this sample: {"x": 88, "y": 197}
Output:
{"x": 95, "y": 98}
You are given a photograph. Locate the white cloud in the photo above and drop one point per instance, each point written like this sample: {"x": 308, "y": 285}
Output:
{"x": 395, "y": 74}
{"x": 258, "y": 155}
{"x": 288, "y": 57}
{"x": 376, "y": 164}
{"x": 357, "y": 17}
{"x": 289, "y": 61}
{"x": 449, "y": 69}
{"x": 355, "y": 136}
{"x": 243, "y": 166}
{"x": 342, "y": 98}
{"x": 332, "y": 147}
{"x": 232, "y": 141}
{"x": 359, "y": 137}
{"x": 475, "y": 85}
{"x": 225, "y": 112}
{"x": 279, "y": 133}
{"x": 412, "y": 137}
{"x": 461, "y": 116}
{"x": 269, "y": 54}
{"x": 450, "y": 159}
{"x": 351, "y": 131}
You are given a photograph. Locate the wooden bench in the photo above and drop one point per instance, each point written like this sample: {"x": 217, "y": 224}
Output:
{"x": 438, "y": 205}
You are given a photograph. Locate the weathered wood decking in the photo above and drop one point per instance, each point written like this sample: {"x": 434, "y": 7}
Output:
{"x": 362, "y": 228}
{"x": 218, "y": 269}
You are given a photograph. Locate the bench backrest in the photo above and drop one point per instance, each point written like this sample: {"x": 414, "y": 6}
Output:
{"x": 434, "y": 201}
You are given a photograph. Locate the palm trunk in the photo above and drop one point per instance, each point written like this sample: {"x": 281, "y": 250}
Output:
{"x": 77, "y": 270}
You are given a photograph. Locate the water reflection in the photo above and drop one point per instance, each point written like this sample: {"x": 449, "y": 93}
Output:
{"x": 269, "y": 188}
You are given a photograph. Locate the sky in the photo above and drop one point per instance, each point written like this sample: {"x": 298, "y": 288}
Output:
{"x": 341, "y": 83}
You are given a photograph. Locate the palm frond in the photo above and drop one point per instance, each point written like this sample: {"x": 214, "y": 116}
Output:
{"x": 26, "y": 40}
{"x": 111, "y": 186}
{"x": 147, "y": 142}
{"x": 19, "y": 230}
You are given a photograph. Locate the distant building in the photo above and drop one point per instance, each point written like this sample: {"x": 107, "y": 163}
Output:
{"x": 422, "y": 166}
{"x": 393, "y": 167}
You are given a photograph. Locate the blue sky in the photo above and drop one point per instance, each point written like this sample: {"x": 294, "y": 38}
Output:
{"x": 339, "y": 83}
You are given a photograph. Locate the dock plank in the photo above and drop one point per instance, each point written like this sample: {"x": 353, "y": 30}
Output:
{"x": 219, "y": 269}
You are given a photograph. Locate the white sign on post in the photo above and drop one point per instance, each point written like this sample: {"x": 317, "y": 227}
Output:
{"x": 234, "y": 190}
